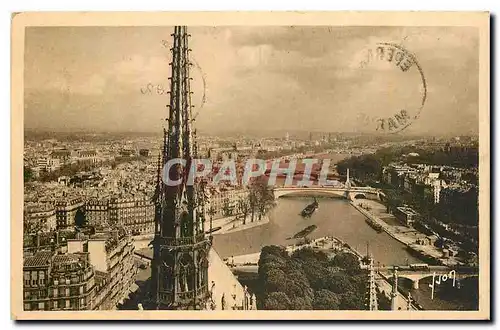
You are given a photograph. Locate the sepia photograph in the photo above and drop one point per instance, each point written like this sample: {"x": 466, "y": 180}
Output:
{"x": 250, "y": 165}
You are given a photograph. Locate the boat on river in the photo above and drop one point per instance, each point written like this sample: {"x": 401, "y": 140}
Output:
{"x": 213, "y": 230}
{"x": 304, "y": 232}
{"x": 309, "y": 209}
{"x": 374, "y": 225}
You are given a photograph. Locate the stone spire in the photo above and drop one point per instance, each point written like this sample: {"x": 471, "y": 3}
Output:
{"x": 179, "y": 269}
{"x": 372, "y": 288}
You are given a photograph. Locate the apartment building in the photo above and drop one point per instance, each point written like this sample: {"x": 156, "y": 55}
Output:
{"x": 39, "y": 217}
{"x": 135, "y": 213}
{"x": 69, "y": 212}
{"x": 58, "y": 282}
{"x": 96, "y": 273}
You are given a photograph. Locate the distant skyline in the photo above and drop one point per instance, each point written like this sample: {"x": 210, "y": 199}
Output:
{"x": 256, "y": 78}
{"x": 246, "y": 134}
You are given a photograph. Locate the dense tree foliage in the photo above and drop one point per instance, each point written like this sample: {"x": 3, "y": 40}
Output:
{"x": 277, "y": 301}
{"x": 28, "y": 174}
{"x": 451, "y": 156}
{"x": 309, "y": 255}
{"x": 459, "y": 207}
{"x": 465, "y": 294}
{"x": 260, "y": 199}
{"x": 309, "y": 279}
{"x": 340, "y": 283}
{"x": 325, "y": 299}
{"x": 347, "y": 261}
{"x": 366, "y": 167}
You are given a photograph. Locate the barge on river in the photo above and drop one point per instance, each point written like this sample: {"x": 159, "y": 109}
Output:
{"x": 309, "y": 209}
{"x": 374, "y": 225}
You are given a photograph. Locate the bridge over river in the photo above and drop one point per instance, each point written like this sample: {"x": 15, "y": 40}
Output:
{"x": 443, "y": 273}
{"x": 345, "y": 192}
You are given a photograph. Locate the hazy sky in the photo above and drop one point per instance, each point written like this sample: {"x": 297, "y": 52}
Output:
{"x": 284, "y": 78}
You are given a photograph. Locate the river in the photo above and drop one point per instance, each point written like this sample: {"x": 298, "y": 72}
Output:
{"x": 335, "y": 217}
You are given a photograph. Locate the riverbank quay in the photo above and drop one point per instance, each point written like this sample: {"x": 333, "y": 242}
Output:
{"x": 227, "y": 225}
{"x": 410, "y": 237}
{"x": 232, "y": 224}
{"x": 327, "y": 244}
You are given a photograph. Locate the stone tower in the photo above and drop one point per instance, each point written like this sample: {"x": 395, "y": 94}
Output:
{"x": 179, "y": 270}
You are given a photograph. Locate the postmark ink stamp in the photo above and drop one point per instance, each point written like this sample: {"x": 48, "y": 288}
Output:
{"x": 409, "y": 82}
{"x": 161, "y": 89}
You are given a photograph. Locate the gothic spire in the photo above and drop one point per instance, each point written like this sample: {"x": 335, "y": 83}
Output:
{"x": 372, "y": 289}
{"x": 179, "y": 266}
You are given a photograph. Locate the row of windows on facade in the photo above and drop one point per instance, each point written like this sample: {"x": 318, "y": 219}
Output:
{"x": 134, "y": 210}
{"x": 57, "y": 292}
{"x": 55, "y": 304}
{"x": 133, "y": 215}
{"x": 38, "y": 279}
{"x": 101, "y": 208}
{"x": 120, "y": 216}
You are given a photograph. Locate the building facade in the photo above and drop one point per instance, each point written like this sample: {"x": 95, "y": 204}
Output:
{"x": 135, "y": 214}
{"x": 55, "y": 282}
{"x": 48, "y": 164}
{"x": 63, "y": 155}
{"x": 87, "y": 157}
{"x": 144, "y": 152}
{"x": 96, "y": 273}
{"x": 225, "y": 202}
{"x": 97, "y": 212}
{"x": 39, "y": 217}
{"x": 406, "y": 215}
{"x": 417, "y": 180}
{"x": 111, "y": 255}
{"x": 69, "y": 212}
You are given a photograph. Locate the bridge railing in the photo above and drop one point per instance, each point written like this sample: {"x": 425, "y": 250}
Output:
{"x": 353, "y": 189}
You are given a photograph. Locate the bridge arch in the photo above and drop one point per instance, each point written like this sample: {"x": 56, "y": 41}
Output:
{"x": 418, "y": 277}
{"x": 280, "y": 192}
{"x": 359, "y": 195}
{"x": 358, "y": 192}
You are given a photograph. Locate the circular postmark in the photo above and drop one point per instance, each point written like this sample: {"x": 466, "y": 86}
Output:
{"x": 395, "y": 89}
{"x": 201, "y": 79}
{"x": 199, "y": 82}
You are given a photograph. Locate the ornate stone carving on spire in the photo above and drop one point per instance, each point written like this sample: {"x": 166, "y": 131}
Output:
{"x": 372, "y": 288}
{"x": 180, "y": 265}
